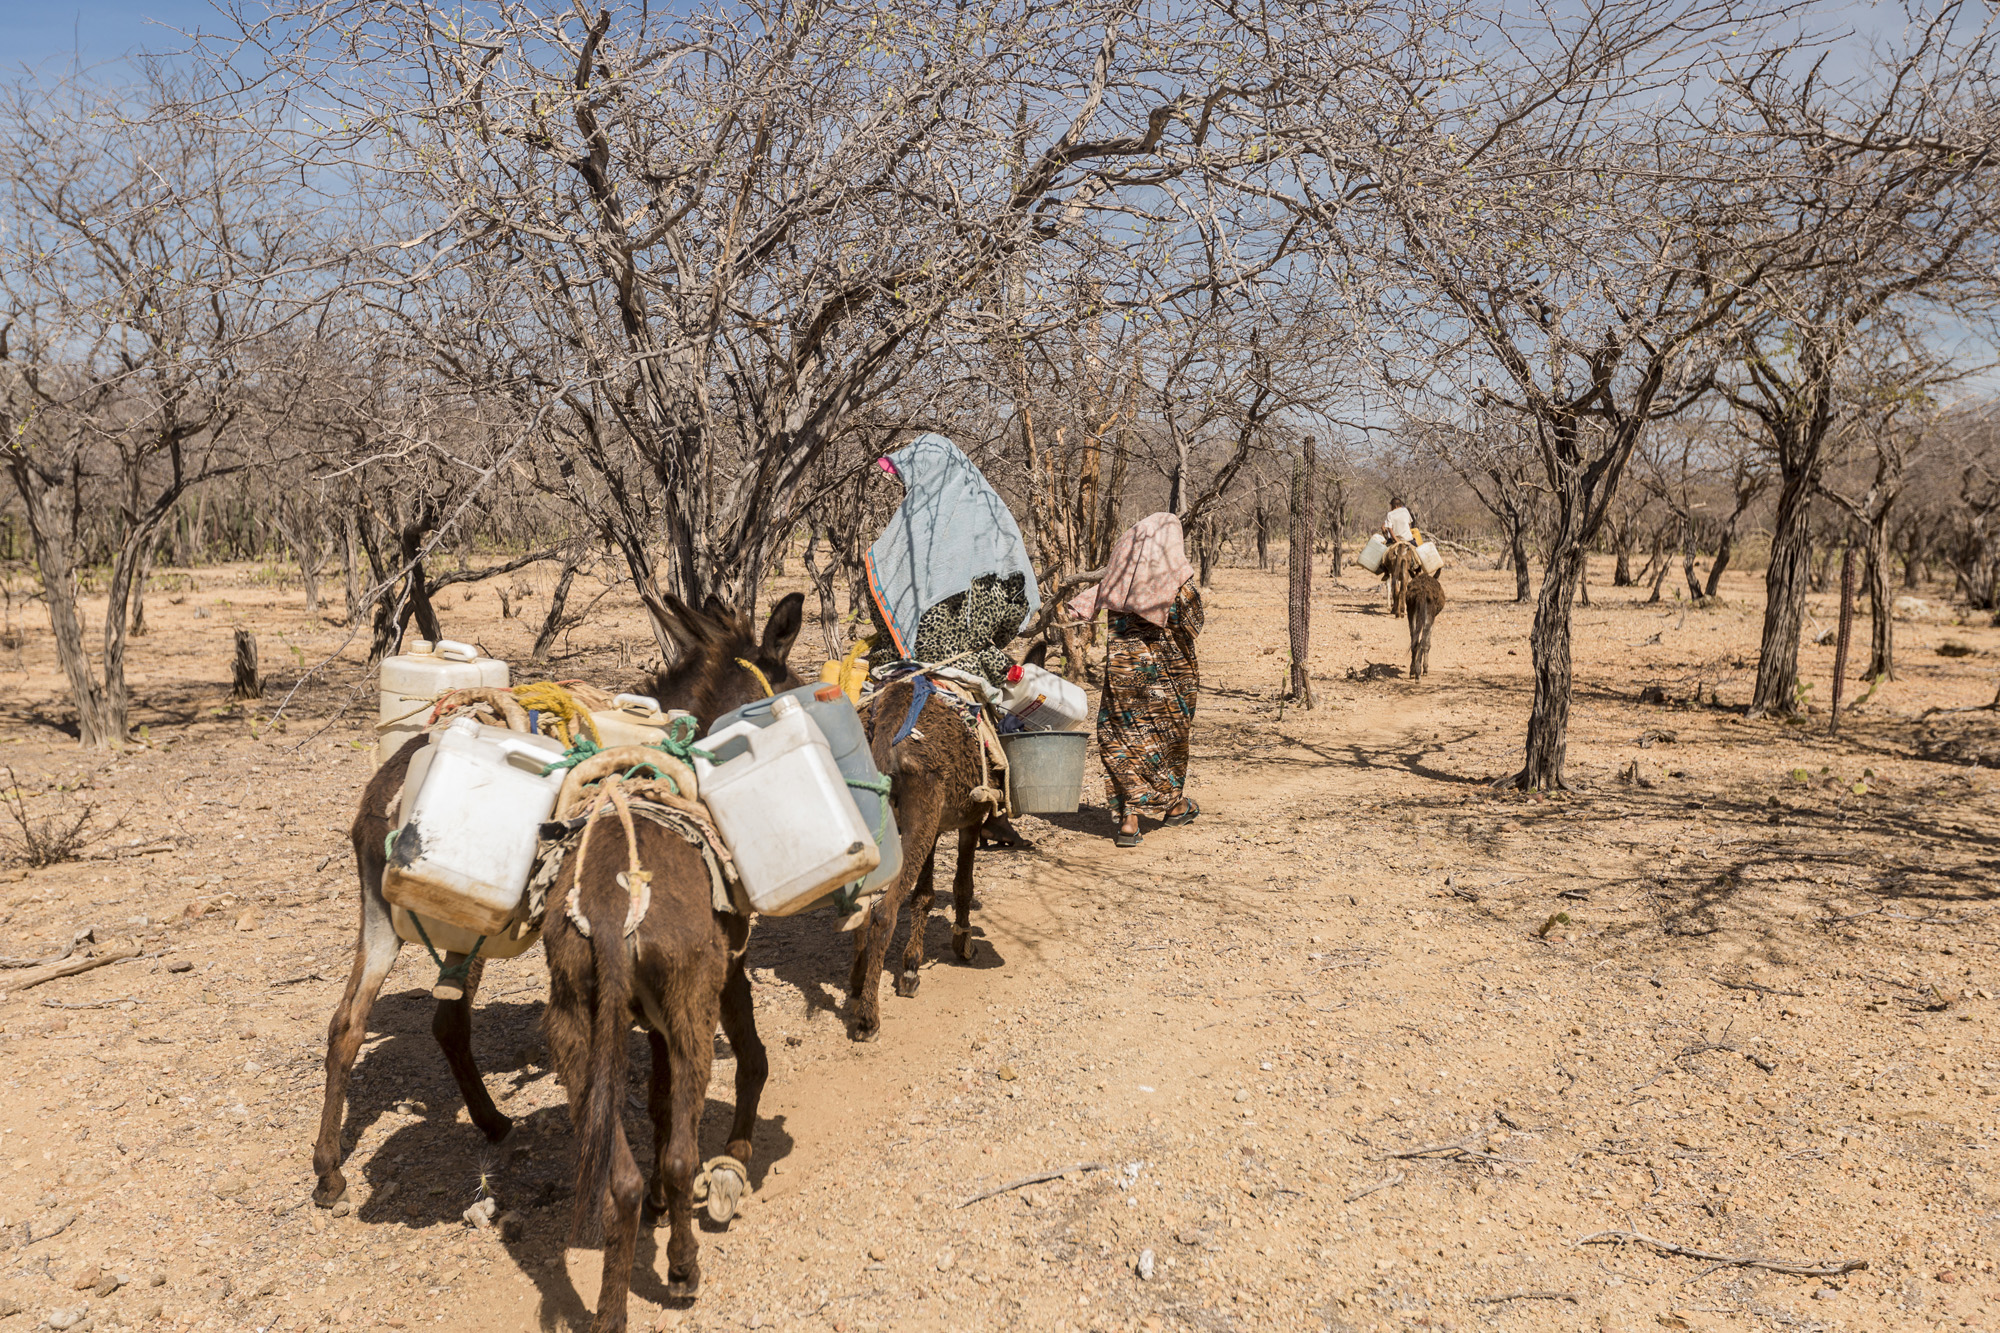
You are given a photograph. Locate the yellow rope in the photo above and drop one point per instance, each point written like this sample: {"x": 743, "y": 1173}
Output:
{"x": 751, "y": 667}
{"x": 850, "y": 672}
{"x": 570, "y": 717}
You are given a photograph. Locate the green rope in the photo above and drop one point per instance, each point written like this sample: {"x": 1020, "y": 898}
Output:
{"x": 579, "y": 750}
{"x": 458, "y": 973}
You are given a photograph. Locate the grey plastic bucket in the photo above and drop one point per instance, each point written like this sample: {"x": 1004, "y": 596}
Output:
{"x": 1046, "y": 770}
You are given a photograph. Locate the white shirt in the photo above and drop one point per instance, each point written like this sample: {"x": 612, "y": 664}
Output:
{"x": 1398, "y": 523}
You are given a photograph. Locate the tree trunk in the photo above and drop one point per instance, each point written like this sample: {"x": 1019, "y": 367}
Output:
{"x": 829, "y": 601}
{"x": 552, "y": 623}
{"x": 1583, "y": 576}
{"x": 1844, "y": 637}
{"x": 1724, "y": 549}
{"x": 139, "y": 584}
{"x": 1881, "y": 604}
{"x": 416, "y": 589}
{"x": 350, "y": 562}
{"x": 1687, "y": 560}
{"x": 1299, "y": 607}
{"x": 245, "y": 683}
{"x": 1621, "y": 573}
{"x": 1263, "y": 521}
{"x": 1517, "y": 545}
{"x": 1549, "y": 643}
{"x": 1337, "y": 521}
{"x": 1777, "y": 690}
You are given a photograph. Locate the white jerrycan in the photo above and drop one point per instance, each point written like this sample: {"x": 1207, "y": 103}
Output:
{"x": 415, "y": 679}
{"x": 1372, "y": 553}
{"x": 782, "y": 808}
{"x": 632, "y": 719}
{"x": 1042, "y": 700}
{"x": 473, "y": 806}
{"x": 1431, "y": 558}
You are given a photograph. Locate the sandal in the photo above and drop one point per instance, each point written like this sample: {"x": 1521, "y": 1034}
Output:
{"x": 1184, "y": 817}
{"x": 1124, "y": 839}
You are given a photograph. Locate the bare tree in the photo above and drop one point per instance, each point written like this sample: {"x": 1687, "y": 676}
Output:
{"x": 151, "y": 266}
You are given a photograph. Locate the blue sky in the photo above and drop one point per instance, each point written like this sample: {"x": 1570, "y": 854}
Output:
{"x": 41, "y": 33}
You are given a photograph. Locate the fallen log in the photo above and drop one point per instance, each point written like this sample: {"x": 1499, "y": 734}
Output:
{"x": 69, "y": 967}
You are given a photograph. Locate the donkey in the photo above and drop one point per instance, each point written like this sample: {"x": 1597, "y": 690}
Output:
{"x": 1424, "y": 596}
{"x": 1399, "y": 563}
{"x": 708, "y": 682}
{"x": 676, "y": 974}
{"x": 933, "y": 773}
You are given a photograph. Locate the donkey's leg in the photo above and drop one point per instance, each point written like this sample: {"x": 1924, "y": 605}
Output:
{"x": 919, "y": 818}
{"x": 374, "y": 954}
{"x": 660, "y": 1109}
{"x": 621, "y": 1231}
{"x": 911, "y": 976}
{"x": 961, "y": 895}
{"x": 690, "y": 1057}
{"x": 452, "y": 1026}
{"x": 739, "y": 1024}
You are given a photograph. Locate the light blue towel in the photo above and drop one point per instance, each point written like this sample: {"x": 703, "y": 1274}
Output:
{"x": 951, "y": 528}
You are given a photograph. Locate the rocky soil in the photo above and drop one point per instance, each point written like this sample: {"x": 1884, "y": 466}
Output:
{"x": 1707, "y": 1043}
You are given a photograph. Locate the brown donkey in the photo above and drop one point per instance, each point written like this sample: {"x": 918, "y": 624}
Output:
{"x": 1399, "y": 564}
{"x": 708, "y": 681}
{"x": 677, "y": 973}
{"x": 933, "y": 774}
{"x": 1424, "y": 596}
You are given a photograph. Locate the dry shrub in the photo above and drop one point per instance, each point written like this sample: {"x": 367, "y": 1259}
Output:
{"x": 50, "y": 839}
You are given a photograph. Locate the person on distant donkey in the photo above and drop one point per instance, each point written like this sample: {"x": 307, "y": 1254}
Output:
{"x": 1151, "y": 677}
{"x": 949, "y": 578}
{"x": 1399, "y": 526}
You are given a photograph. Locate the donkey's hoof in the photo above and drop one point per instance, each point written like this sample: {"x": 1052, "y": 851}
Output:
{"x": 684, "y": 1284}
{"x": 963, "y": 945}
{"x": 330, "y": 1190}
{"x": 907, "y": 983}
{"x": 865, "y": 1032}
{"x": 725, "y": 1192}
{"x": 496, "y": 1129}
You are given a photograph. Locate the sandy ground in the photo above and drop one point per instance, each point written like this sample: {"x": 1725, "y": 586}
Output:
{"x": 1312, "y": 1062}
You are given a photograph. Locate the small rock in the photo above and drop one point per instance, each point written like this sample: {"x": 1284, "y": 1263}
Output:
{"x": 1243, "y": 1094}
{"x": 1190, "y": 1236}
{"x": 343, "y": 1207}
{"x": 267, "y": 1287}
{"x": 157, "y": 1280}
{"x": 1947, "y": 1276}
{"x": 106, "y": 1284}
{"x": 66, "y": 1319}
{"x": 1007, "y": 1074}
{"x": 386, "y": 1193}
{"x": 1145, "y": 1266}
{"x": 945, "y": 1260}
{"x": 148, "y": 1312}
{"x": 877, "y": 1253}
{"x": 1825, "y": 1294}
{"x": 9, "y": 1307}
{"x": 86, "y": 1277}
{"x": 249, "y": 919}
{"x": 180, "y": 965}
{"x": 230, "y": 1184}
{"x": 480, "y": 1216}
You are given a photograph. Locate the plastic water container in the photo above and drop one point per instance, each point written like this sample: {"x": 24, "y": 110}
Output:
{"x": 632, "y": 719}
{"x": 1045, "y": 770}
{"x": 1372, "y": 553}
{"x": 782, "y": 808}
{"x": 473, "y": 805}
{"x": 1432, "y": 558}
{"x": 1042, "y": 700}
{"x": 828, "y": 706}
{"x": 414, "y": 680}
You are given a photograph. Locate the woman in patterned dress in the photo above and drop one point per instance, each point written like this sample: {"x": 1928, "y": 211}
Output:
{"x": 1153, "y": 611}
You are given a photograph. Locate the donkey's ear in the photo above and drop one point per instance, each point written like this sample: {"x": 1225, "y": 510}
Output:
{"x": 1038, "y": 656}
{"x": 682, "y": 623}
{"x": 781, "y": 631}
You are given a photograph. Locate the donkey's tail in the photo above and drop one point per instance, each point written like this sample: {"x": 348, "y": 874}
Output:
{"x": 603, "y": 904}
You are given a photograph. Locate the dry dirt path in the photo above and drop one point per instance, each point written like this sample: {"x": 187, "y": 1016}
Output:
{"x": 1313, "y": 1052}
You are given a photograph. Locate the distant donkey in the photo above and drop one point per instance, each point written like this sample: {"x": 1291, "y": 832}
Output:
{"x": 1399, "y": 563}
{"x": 708, "y": 680}
{"x": 1423, "y": 596}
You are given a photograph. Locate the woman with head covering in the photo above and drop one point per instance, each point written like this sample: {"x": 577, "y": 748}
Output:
{"x": 948, "y": 579}
{"x": 1150, "y": 677}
